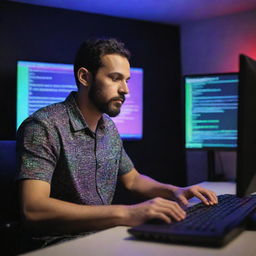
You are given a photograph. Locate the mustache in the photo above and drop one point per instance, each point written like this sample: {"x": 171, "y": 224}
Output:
{"x": 121, "y": 98}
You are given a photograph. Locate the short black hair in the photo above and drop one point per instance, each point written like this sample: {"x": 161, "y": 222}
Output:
{"x": 90, "y": 52}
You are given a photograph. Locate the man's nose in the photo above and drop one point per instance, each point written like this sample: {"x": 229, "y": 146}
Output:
{"x": 124, "y": 87}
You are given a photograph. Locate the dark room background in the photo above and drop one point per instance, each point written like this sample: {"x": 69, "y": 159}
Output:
{"x": 37, "y": 33}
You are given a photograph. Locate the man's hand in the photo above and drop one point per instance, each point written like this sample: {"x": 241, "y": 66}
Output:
{"x": 157, "y": 208}
{"x": 160, "y": 207}
{"x": 208, "y": 197}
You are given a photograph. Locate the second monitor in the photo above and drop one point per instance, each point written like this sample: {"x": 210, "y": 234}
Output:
{"x": 211, "y": 103}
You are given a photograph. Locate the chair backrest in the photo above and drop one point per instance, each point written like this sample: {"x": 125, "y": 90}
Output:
{"x": 8, "y": 173}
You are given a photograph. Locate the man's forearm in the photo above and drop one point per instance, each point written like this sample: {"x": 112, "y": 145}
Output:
{"x": 52, "y": 215}
{"x": 151, "y": 188}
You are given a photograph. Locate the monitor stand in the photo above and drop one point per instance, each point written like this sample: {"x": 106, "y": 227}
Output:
{"x": 211, "y": 165}
{"x": 212, "y": 174}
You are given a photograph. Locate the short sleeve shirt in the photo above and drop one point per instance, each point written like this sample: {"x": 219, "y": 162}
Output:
{"x": 56, "y": 145}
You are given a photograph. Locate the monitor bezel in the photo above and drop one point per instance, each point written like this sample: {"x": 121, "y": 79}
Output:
{"x": 245, "y": 164}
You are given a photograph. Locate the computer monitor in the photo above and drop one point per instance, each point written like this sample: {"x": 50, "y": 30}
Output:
{"x": 211, "y": 102}
{"x": 40, "y": 84}
{"x": 246, "y": 151}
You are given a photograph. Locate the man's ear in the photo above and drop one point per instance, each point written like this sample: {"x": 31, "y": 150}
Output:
{"x": 84, "y": 76}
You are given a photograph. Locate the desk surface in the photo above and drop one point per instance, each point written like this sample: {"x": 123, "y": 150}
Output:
{"x": 116, "y": 241}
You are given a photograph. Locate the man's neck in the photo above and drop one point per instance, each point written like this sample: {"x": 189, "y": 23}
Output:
{"x": 89, "y": 111}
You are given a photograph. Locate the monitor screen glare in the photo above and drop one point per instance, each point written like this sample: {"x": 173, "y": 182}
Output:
{"x": 40, "y": 84}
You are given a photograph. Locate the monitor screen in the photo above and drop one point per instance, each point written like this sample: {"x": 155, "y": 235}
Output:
{"x": 211, "y": 102}
{"x": 40, "y": 84}
{"x": 246, "y": 152}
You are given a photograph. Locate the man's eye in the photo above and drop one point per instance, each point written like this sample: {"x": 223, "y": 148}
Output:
{"x": 115, "y": 78}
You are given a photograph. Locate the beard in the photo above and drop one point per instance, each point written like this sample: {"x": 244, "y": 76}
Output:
{"x": 110, "y": 107}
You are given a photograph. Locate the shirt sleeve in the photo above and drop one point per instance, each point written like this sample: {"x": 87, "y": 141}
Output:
{"x": 37, "y": 151}
{"x": 125, "y": 164}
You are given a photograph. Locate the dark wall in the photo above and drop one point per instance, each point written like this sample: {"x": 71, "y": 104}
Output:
{"x": 48, "y": 34}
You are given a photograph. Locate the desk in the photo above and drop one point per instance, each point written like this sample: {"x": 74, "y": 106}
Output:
{"x": 117, "y": 242}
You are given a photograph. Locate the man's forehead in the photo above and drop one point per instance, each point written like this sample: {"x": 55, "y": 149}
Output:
{"x": 115, "y": 63}
{"x": 114, "y": 59}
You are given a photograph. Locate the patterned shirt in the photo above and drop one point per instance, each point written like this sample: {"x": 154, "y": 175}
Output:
{"x": 56, "y": 145}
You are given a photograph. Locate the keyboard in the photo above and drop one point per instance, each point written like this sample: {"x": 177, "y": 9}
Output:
{"x": 214, "y": 225}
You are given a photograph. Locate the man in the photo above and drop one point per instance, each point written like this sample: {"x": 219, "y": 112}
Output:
{"x": 71, "y": 155}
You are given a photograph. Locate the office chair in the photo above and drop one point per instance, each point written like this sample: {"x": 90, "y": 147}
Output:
{"x": 9, "y": 221}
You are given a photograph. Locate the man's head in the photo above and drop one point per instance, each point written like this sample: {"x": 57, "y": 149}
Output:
{"x": 90, "y": 54}
{"x": 102, "y": 70}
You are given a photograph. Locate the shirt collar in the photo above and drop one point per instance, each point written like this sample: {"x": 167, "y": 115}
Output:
{"x": 77, "y": 120}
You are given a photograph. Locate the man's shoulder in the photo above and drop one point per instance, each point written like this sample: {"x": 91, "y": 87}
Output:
{"x": 50, "y": 115}
{"x": 108, "y": 122}
{"x": 53, "y": 111}
{"x": 111, "y": 128}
